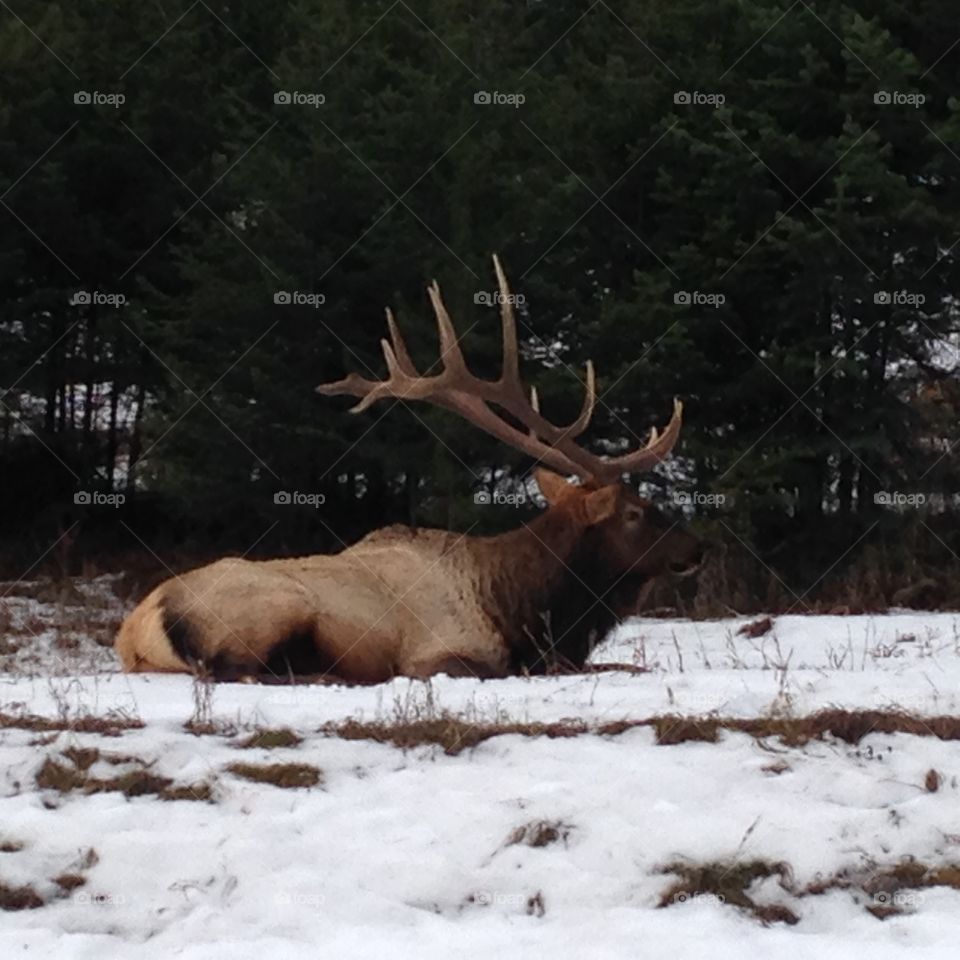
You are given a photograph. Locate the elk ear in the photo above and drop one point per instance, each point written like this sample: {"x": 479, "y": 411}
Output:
{"x": 553, "y": 487}
{"x": 601, "y": 504}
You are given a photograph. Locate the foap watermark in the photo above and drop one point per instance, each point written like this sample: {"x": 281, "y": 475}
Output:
{"x": 99, "y": 899}
{"x": 698, "y": 298}
{"x": 898, "y": 298}
{"x": 95, "y": 98}
{"x": 898, "y": 98}
{"x": 486, "y": 898}
{"x": 495, "y": 98}
{"x": 697, "y": 98}
{"x": 300, "y": 899}
{"x": 697, "y": 703}
{"x": 299, "y": 98}
{"x": 694, "y": 498}
{"x": 898, "y": 899}
{"x": 295, "y": 498}
{"x": 894, "y": 498}
{"x": 287, "y": 695}
{"x": 712, "y": 899}
{"x": 87, "y": 298}
{"x": 299, "y": 298}
{"x": 487, "y": 298}
{"x": 95, "y": 498}
{"x": 484, "y": 498}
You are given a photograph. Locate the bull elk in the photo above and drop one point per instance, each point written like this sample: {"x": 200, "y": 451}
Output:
{"x": 418, "y": 602}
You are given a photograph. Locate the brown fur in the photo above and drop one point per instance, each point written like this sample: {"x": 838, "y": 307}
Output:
{"x": 418, "y": 602}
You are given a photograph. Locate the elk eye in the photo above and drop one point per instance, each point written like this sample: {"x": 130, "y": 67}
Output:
{"x": 633, "y": 516}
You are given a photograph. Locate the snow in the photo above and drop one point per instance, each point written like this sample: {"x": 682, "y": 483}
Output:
{"x": 407, "y": 853}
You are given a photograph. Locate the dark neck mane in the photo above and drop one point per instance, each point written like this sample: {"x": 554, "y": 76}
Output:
{"x": 548, "y": 591}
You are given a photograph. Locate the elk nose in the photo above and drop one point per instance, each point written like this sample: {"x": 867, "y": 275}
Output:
{"x": 690, "y": 564}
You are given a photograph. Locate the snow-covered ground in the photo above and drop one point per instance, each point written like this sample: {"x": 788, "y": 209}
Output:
{"x": 418, "y": 853}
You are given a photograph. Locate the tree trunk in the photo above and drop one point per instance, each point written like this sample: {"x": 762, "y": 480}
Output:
{"x": 136, "y": 440}
{"x": 87, "y": 439}
{"x": 112, "y": 433}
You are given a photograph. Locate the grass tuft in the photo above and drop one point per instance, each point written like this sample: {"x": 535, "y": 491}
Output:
{"x": 271, "y": 739}
{"x": 69, "y": 881}
{"x": 540, "y": 833}
{"x": 286, "y": 775}
{"x": 82, "y": 758}
{"x": 137, "y": 782}
{"x": 19, "y": 898}
{"x": 728, "y": 883}
{"x": 535, "y": 905}
{"x": 671, "y": 730}
{"x": 108, "y": 726}
{"x": 447, "y": 730}
{"x": 885, "y": 885}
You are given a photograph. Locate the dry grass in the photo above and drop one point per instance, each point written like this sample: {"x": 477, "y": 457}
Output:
{"x": 19, "y": 898}
{"x": 728, "y": 883}
{"x": 136, "y": 782}
{"x": 85, "y": 757}
{"x": 907, "y": 874}
{"x": 202, "y": 721}
{"x": 68, "y": 882}
{"x": 285, "y": 775}
{"x": 540, "y": 833}
{"x": 454, "y": 733}
{"x": 884, "y": 885}
{"x": 111, "y": 725}
{"x": 850, "y": 726}
{"x": 27, "y": 898}
{"x": 566, "y": 668}
{"x": 200, "y": 792}
{"x": 271, "y": 739}
{"x": 671, "y": 730}
{"x": 215, "y": 728}
{"x": 776, "y": 768}
{"x": 447, "y": 730}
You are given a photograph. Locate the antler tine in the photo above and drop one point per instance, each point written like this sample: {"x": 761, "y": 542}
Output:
{"x": 450, "y": 354}
{"x": 401, "y": 367}
{"x": 353, "y": 385}
{"x": 575, "y": 427}
{"x": 400, "y": 348}
{"x": 554, "y": 434}
{"x": 657, "y": 448}
{"x": 398, "y": 377}
{"x": 510, "y": 377}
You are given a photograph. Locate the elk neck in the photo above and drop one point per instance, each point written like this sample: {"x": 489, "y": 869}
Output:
{"x": 523, "y": 574}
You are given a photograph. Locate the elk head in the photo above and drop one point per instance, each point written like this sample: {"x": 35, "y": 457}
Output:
{"x": 626, "y": 534}
{"x": 629, "y": 533}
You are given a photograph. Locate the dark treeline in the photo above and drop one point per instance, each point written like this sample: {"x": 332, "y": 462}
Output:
{"x": 752, "y": 206}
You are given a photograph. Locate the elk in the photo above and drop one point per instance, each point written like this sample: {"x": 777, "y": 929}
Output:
{"x": 418, "y": 602}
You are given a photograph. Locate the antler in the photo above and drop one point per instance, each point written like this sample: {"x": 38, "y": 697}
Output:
{"x": 456, "y": 389}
